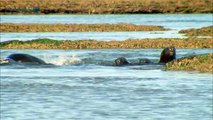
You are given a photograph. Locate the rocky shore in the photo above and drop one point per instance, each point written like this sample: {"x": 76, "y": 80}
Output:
{"x": 104, "y": 6}
{"x": 11, "y": 27}
{"x": 94, "y": 44}
{"x": 202, "y": 63}
{"x": 204, "y": 31}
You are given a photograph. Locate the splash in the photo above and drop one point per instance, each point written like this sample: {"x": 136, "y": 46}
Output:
{"x": 3, "y": 61}
{"x": 63, "y": 60}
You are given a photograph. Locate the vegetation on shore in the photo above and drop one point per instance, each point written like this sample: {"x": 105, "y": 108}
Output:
{"x": 202, "y": 63}
{"x": 204, "y": 31}
{"x": 93, "y": 44}
{"x": 105, "y": 6}
{"x": 11, "y": 27}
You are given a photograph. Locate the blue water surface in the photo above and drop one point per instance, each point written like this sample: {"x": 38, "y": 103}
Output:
{"x": 85, "y": 84}
{"x": 175, "y": 22}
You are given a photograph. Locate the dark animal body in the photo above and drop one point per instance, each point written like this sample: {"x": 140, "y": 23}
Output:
{"x": 121, "y": 61}
{"x": 168, "y": 54}
{"x": 24, "y": 58}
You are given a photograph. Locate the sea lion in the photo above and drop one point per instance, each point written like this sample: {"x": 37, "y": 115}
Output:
{"x": 168, "y": 54}
{"x": 121, "y": 61}
{"x": 23, "y": 58}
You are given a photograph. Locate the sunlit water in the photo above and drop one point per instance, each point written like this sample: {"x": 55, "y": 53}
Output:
{"x": 85, "y": 85}
{"x": 175, "y": 22}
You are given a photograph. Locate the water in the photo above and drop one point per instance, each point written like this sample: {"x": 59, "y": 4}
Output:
{"x": 100, "y": 36}
{"x": 84, "y": 84}
{"x": 175, "y": 22}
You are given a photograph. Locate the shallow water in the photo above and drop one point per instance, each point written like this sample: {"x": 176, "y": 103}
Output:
{"x": 175, "y": 22}
{"x": 84, "y": 85}
{"x": 100, "y": 36}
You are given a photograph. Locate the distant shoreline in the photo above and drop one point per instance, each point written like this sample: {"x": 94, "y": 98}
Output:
{"x": 17, "y": 27}
{"x": 105, "y": 6}
{"x": 94, "y": 44}
{"x": 12, "y": 27}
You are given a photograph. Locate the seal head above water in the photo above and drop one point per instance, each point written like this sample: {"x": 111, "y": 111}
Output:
{"x": 121, "y": 61}
{"x": 168, "y": 54}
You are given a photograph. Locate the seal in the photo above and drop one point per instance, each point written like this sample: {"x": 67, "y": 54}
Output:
{"x": 121, "y": 61}
{"x": 168, "y": 54}
{"x": 24, "y": 58}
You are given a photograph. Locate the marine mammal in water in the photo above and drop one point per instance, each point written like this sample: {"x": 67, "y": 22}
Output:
{"x": 121, "y": 61}
{"x": 168, "y": 54}
{"x": 23, "y": 58}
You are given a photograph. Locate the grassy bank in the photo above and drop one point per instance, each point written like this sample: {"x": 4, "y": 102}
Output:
{"x": 204, "y": 31}
{"x": 105, "y": 6}
{"x": 11, "y": 27}
{"x": 202, "y": 63}
{"x": 93, "y": 44}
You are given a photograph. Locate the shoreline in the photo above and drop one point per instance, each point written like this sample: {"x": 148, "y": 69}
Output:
{"x": 94, "y": 44}
{"x": 13, "y": 27}
{"x": 204, "y": 31}
{"x": 201, "y": 63}
{"x": 106, "y": 6}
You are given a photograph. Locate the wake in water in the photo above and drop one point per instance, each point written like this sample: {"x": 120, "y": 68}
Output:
{"x": 62, "y": 60}
{"x": 59, "y": 61}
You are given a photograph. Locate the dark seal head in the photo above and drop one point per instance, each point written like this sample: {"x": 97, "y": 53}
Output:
{"x": 121, "y": 61}
{"x": 24, "y": 58}
{"x": 168, "y": 54}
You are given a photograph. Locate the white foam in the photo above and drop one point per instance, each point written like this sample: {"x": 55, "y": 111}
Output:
{"x": 63, "y": 60}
